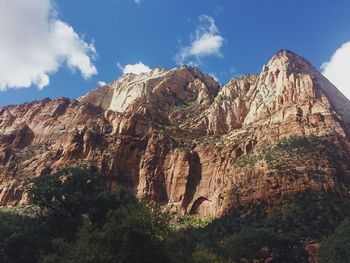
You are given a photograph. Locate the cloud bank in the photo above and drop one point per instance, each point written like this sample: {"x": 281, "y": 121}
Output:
{"x": 206, "y": 41}
{"x": 337, "y": 69}
{"x": 137, "y": 68}
{"x": 35, "y": 43}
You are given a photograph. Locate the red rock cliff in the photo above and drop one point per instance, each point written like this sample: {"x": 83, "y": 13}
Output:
{"x": 177, "y": 137}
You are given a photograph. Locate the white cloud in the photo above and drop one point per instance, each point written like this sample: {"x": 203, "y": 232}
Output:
{"x": 137, "y": 1}
{"x": 35, "y": 44}
{"x": 213, "y": 75}
{"x": 207, "y": 41}
{"x": 337, "y": 69}
{"x": 101, "y": 83}
{"x": 137, "y": 68}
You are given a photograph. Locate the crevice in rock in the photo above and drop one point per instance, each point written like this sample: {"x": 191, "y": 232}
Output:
{"x": 194, "y": 178}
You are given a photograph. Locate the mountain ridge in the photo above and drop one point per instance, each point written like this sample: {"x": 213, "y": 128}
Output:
{"x": 177, "y": 137}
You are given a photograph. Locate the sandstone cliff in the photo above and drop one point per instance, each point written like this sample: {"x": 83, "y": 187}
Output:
{"x": 177, "y": 137}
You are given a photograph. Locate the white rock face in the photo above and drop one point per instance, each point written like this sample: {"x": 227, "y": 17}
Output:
{"x": 289, "y": 80}
{"x": 130, "y": 87}
{"x": 177, "y": 86}
{"x": 288, "y": 87}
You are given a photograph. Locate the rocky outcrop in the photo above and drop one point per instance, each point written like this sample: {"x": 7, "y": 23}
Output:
{"x": 289, "y": 84}
{"x": 177, "y": 137}
{"x": 231, "y": 106}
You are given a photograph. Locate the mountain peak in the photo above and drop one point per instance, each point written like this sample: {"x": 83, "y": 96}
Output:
{"x": 290, "y": 80}
{"x": 289, "y": 61}
{"x": 166, "y": 86}
{"x": 288, "y": 55}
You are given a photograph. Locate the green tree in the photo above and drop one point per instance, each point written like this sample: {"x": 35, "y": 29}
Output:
{"x": 336, "y": 247}
{"x": 131, "y": 234}
{"x": 260, "y": 244}
{"x": 22, "y": 238}
{"x": 62, "y": 198}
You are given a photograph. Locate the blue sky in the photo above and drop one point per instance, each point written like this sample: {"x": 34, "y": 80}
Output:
{"x": 155, "y": 32}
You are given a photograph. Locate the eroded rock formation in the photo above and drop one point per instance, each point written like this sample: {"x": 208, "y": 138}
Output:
{"x": 177, "y": 137}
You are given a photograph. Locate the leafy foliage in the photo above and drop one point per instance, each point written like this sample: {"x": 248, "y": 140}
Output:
{"x": 88, "y": 223}
{"x": 193, "y": 221}
{"x": 133, "y": 233}
{"x": 288, "y": 151}
{"x": 21, "y": 238}
{"x": 261, "y": 244}
{"x": 336, "y": 247}
{"x": 308, "y": 215}
{"x": 78, "y": 220}
{"x": 292, "y": 142}
{"x": 205, "y": 256}
{"x": 62, "y": 198}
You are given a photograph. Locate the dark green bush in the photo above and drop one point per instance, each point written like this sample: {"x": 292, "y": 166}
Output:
{"x": 78, "y": 220}
{"x": 262, "y": 244}
{"x": 22, "y": 238}
{"x": 62, "y": 198}
{"x": 336, "y": 247}
{"x": 294, "y": 141}
{"x": 131, "y": 234}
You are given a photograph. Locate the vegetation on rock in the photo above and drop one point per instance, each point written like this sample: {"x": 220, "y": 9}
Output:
{"x": 73, "y": 218}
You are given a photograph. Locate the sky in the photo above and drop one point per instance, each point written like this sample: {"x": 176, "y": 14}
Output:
{"x": 65, "y": 48}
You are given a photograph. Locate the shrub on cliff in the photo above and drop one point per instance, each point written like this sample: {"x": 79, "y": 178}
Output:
{"x": 294, "y": 141}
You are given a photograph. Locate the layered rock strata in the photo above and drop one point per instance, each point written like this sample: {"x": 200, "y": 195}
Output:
{"x": 177, "y": 137}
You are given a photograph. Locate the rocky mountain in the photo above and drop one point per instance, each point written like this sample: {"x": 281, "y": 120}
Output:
{"x": 177, "y": 137}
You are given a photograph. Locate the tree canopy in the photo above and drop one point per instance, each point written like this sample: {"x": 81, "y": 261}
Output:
{"x": 73, "y": 217}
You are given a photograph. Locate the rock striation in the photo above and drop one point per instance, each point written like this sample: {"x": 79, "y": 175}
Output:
{"x": 176, "y": 137}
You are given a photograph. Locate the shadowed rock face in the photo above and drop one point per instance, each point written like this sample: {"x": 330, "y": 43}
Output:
{"x": 177, "y": 137}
